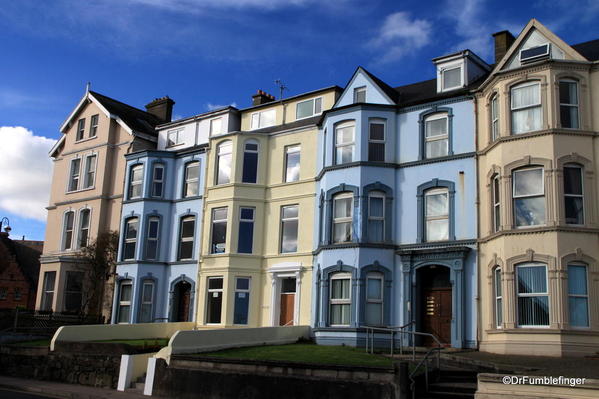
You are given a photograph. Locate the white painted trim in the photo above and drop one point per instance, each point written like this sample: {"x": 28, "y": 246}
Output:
{"x": 361, "y": 70}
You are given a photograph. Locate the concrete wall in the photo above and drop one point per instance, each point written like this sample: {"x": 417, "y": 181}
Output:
{"x": 491, "y": 386}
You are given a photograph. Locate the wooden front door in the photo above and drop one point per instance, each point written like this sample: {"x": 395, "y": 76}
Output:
{"x": 287, "y": 309}
{"x": 436, "y": 315}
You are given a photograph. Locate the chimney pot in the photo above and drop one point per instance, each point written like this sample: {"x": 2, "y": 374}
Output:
{"x": 261, "y": 97}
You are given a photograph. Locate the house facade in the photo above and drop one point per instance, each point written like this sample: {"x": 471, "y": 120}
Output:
{"x": 537, "y": 142}
{"x": 256, "y": 259}
{"x": 86, "y": 196}
{"x": 396, "y": 231}
{"x": 161, "y": 222}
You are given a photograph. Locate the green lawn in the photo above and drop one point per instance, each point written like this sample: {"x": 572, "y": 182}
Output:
{"x": 139, "y": 342}
{"x": 39, "y": 342}
{"x": 305, "y": 353}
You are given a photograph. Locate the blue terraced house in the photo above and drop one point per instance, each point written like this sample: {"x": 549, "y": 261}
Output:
{"x": 395, "y": 241}
{"x": 161, "y": 219}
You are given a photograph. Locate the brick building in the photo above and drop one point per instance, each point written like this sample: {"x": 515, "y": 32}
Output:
{"x": 19, "y": 272}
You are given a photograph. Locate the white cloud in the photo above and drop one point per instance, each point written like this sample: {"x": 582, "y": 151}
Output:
{"x": 201, "y": 5}
{"x": 26, "y": 172}
{"x": 400, "y": 35}
{"x": 474, "y": 35}
{"x": 212, "y": 107}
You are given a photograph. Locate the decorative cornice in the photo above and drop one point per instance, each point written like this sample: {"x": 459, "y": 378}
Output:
{"x": 538, "y": 133}
{"x": 539, "y": 230}
{"x": 353, "y": 245}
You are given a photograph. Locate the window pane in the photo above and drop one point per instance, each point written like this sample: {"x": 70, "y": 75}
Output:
{"x": 497, "y": 282}
{"x": 243, "y": 284}
{"x": 246, "y": 237}
{"x": 131, "y": 228}
{"x": 342, "y": 232}
{"x": 374, "y": 289}
{"x": 340, "y": 288}
{"x": 375, "y": 231}
{"x": 499, "y": 311}
{"x": 376, "y": 152}
{"x": 215, "y": 301}
{"x": 574, "y": 210}
{"x": 579, "y": 311}
{"x": 568, "y": 93}
{"x": 528, "y": 182}
{"x": 340, "y": 314}
{"x": 529, "y": 211}
{"x": 577, "y": 280}
{"x": 318, "y": 105}
{"x": 533, "y": 311}
{"x": 569, "y": 116}
{"x": 436, "y": 148}
{"x": 377, "y": 131}
{"x": 148, "y": 292}
{"x": 145, "y": 315}
{"x": 151, "y": 249}
{"x": 437, "y": 230}
{"x": 345, "y": 154}
{"x": 532, "y": 279}
{"x": 267, "y": 118}
{"x": 293, "y": 166}
{"x": 219, "y": 214}
{"x": 124, "y": 313}
{"x": 374, "y": 314}
{"x": 186, "y": 250}
{"x": 343, "y": 207}
{"x": 242, "y": 301}
{"x": 572, "y": 180}
{"x": 153, "y": 229}
{"x": 187, "y": 228}
{"x": 224, "y": 168}
{"x": 452, "y": 77}
{"x": 219, "y": 233}
{"x": 247, "y": 214}
{"x": 215, "y": 283}
{"x": 436, "y": 205}
{"x": 344, "y": 135}
{"x": 192, "y": 171}
{"x": 289, "y": 236}
{"x": 125, "y": 292}
{"x": 250, "y": 167}
{"x": 290, "y": 211}
{"x": 304, "y": 109}
{"x": 526, "y": 120}
{"x": 360, "y": 95}
{"x": 436, "y": 127}
{"x": 288, "y": 285}
{"x": 526, "y": 96}
{"x": 376, "y": 208}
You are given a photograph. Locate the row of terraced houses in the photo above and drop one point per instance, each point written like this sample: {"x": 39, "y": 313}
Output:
{"x": 464, "y": 206}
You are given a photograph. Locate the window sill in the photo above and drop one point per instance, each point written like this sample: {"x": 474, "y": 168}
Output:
{"x": 83, "y": 140}
{"x": 81, "y": 190}
{"x": 168, "y": 147}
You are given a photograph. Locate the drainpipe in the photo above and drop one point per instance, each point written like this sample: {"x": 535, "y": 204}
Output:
{"x": 477, "y": 204}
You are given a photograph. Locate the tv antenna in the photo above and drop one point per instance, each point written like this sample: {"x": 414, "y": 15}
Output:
{"x": 282, "y": 87}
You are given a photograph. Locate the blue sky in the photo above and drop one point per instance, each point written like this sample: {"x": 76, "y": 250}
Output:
{"x": 215, "y": 52}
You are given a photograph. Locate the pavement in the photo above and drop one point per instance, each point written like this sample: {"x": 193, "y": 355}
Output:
{"x": 21, "y": 388}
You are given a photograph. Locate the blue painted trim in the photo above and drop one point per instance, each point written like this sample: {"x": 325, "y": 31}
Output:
{"x": 123, "y": 233}
{"x": 421, "y": 118}
{"x": 334, "y": 139}
{"x": 421, "y": 190}
{"x": 323, "y": 288}
{"x": 182, "y": 188}
{"x": 180, "y": 217}
{"x": 342, "y": 188}
{"x": 388, "y": 191}
{"x": 115, "y": 300}
{"x": 375, "y": 267}
{"x": 144, "y": 229}
{"x": 139, "y": 295}
{"x": 128, "y": 177}
{"x": 321, "y": 203}
{"x": 150, "y": 180}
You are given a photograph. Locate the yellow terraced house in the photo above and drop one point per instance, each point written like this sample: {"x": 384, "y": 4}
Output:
{"x": 257, "y": 240}
{"x": 538, "y": 168}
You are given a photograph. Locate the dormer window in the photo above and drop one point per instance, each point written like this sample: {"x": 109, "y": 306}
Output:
{"x": 360, "y": 94}
{"x": 174, "y": 137}
{"x": 263, "y": 119}
{"x": 451, "y": 78}
{"x": 306, "y": 109}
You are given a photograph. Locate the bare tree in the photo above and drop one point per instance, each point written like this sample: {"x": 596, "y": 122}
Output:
{"x": 98, "y": 264}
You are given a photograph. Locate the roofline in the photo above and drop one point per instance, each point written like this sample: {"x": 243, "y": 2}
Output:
{"x": 306, "y": 94}
{"x": 465, "y": 53}
{"x": 172, "y": 154}
{"x": 197, "y": 116}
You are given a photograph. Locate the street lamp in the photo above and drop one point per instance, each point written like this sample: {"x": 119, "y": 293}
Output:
{"x": 7, "y": 228}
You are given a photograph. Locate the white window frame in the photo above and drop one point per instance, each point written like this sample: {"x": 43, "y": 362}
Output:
{"x": 351, "y": 143}
{"x": 342, "y": 220}
{"x": 93, "y": 127}
{"x": 527, "y": 107}
{"x": 291, "y": 149}
{"x": 90, "y": 182}
{"x": 532, "y": 195}
{"x": 532, "y": 59}
{"x": 581, "y": 195}
{"x": 65, "y": 231}
{"x": 252, "y": 221}
{"x": 81, "y": 228}
{"x": 314, "y": 113}
{"x": 257, "y": 119}
{"x": 213, "y": 129}
{"x": 74, "y": 174}
{"x": 245, "y": 291}
{"x": 186, "y": 239}
{"x": 448, "y": 68}
{"x": 156, "y": 166}
{"x": 283, "y": 221}
{"x": 80, "y": 133}
{"x": 152, "y": 219}
{"x": 127, "y": 240}
{"x": 377, "y": 121}
{"x": 187, "y": 181}
{"x": 495, "y": 117}
{"x": 427, "y": 218}
{"x": 376, "y": 276}
{"x": 223, "y": 149}
{"x": 535, "y": 294}
{"x": 48, "y": 306}
{"x": 577, "y": 105}
{"x": 144, "y": 283}
{"x": 178, "y": 139}
{"x": 133, "y": 183}
{"x": 498, "y": 301}
{"x": 210, "y": 291}
{"x": 442, "y": 137}
{"x": 587, "y": 327}
{"x": 357, "y": 92}
{"x": 340, "y": 301}
{"x": 496, "y": 198}
{"x": 124, "y": 303}
{"x": 376, "y": 194}
{"x": 214, "y": 221}
{"x": 251, "y": 151}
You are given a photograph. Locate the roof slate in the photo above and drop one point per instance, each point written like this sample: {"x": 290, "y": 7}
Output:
{"x": 27, "y": 257}
{"x": 589, "y": 50}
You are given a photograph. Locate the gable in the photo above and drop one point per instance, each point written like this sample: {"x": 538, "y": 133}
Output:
{"x": 375, "y": 93}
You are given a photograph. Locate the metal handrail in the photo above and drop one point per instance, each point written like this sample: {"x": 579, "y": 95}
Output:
{"x": 424, "y": 361}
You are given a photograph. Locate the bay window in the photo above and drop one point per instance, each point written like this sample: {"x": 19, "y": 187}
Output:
{"x": 130, "y": 241}
{"x": 146, "y": 301}
{"x": 214, "y": 303}
{"x": 223, "y": 162}
{"x": 124, "y": 302}
{"x": 529, "y": 197}
{"x": 186, "y": 234}
{"x": 83, "y": 234}
{"x": 568, "y": 104}
{"x": 340, "y": 299}
{"x": 192, "y": 180}
{"x": 67, "y": 230}
{"x": 242, "y": 300}
{"x": 157, "y": 180}
{"x": 578, "y": 296}
{"x": 218, "y": 242}
{"x": 246, "y": 230}
{"x": 526, "y": 107}
{"x": 152, "y": 238}
{"x": 376, "y": 140}
{"x": 376, "y": 217}
{"x": 73, "y": 292}
{"x": 374, "y": 299}
{"x": 573, "y": 194}
{"x": 344, "y": 143}
{"x": 342, "y": 218}
{"x": 436, "y": 216}
{"x": 136, "y": 181}
{"x": 533, "y": 297}
{"x": 436, "y": 137}
{"x": 289, "y": 228}
{"x": 498, "y": 293}
{"x": 48, "y": 291}
{"x": 250, "y": 162}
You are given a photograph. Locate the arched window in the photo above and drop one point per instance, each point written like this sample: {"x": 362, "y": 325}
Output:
{"x": 250, "y": 162}
{"x": 374, "y": 299}
{"x": 436, "y": 214}
{"x": 83, "y": 233}
{"x": 340, "y": 299}
{"x": 436, "y": 135}
{"x": 136, "y": 181}
{"x": 529, "y": 197}
{"x": 152, "y": 238}
{"x": 344, "y": 142}
{"x": 376, "y": 216}
{"x": 130, "y": 238}
{"x": 568, "y": 104}
{"x": 498, "y": 294}
{"x": 191, "y": 187}
{"x": 342, "y": 218}
{"x": 67, "y": 230}
{"x": 526, "y": 107}
{"x": 495, "y": 117}
{"x": 186, "y": 235}
{"x": 124, "y": 302}
{"x": 157, "y": 180}
{"x": 574, "y": 193}
{"x": 223, "y": 162}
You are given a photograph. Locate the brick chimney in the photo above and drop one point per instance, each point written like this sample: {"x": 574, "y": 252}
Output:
{"x": 503, "y": 42}
{"x": 262, "y": 97}
{"x": 162, "y": 108}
